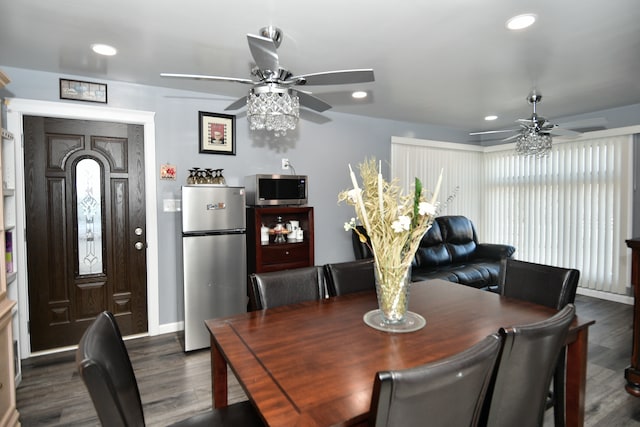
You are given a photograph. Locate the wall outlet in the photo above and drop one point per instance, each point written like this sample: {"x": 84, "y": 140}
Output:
{"x": 285, "y": 164}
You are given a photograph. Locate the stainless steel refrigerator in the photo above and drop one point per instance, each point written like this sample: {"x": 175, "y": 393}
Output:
{"x": 214, "y": 257}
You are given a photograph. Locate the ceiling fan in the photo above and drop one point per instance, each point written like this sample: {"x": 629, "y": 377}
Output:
{"x": 534, "y": 135}
{"x": 275, "y": 94}
{"x": 534, "y": 124}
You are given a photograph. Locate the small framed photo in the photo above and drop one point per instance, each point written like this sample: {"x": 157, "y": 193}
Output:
{"x": 217, "y": 133}
{"x": 83, "y": 91}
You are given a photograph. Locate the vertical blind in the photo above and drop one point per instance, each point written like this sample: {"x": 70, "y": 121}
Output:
{"x": 569, "y": 209}
{"x": 462, "y": 173}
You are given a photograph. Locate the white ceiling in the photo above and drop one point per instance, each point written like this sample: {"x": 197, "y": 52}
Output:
{"x": 446, "y": 63}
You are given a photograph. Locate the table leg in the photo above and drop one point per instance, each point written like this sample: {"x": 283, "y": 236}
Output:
{"x": 218, "y": 376}
{"x": 576, "y": 378}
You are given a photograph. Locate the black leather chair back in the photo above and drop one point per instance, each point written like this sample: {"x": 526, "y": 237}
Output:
{"x": 547, "y": 285}
{"x": 347, "y": 277}
{"x": 268, "y": 290}
{"x": 527, "y": 362}
{"x": 449, "y": 392}
{"x": 105, "y": 368}
{"x": 361, "y": 250}
{"x": 553, "y": 287}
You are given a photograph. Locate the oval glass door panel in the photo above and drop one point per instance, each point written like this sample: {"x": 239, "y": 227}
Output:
{"x": 89, "y": 193}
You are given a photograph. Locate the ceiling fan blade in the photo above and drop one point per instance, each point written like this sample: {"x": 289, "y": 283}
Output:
{"x": 314, "y": 117}
{"x": 237, "y": 104}
{"x": 310, "y": 101}
{"x": 486, "y": 132}
{"x": 594, "y": 123}
{"x": 263, "y": 50}
{"x": 509, "y": 138}
{"x": 556, "y": 130}
{"x": 339, "y": 77}
{"x": 204, "y": 77}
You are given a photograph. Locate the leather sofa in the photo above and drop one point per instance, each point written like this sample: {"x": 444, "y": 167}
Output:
{"x": 450, "y": 250}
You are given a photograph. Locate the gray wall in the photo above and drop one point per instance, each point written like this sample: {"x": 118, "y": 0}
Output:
{"x": 321, "y": 151}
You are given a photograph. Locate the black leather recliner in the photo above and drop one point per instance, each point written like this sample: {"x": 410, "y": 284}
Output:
{"x": 450, "y": 250}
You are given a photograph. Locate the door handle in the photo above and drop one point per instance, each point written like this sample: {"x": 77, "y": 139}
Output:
{"x": 139, "y": 246}
{"x": 138, "y": 231}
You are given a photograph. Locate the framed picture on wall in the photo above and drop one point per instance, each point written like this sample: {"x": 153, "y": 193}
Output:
{"x": 83, "y": 91}
{"x": 217, "y": 133}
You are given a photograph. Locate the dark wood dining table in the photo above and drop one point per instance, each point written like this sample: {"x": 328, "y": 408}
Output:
{"x": 313, "y": 363}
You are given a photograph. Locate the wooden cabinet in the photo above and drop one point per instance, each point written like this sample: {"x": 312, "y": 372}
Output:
{"x": 8, "y": 411}
{"x": 632, "y": 372}
{"x": 272, "y": 256}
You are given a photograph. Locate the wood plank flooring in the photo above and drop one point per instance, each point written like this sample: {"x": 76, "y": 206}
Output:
{"x": 175, "y": 385}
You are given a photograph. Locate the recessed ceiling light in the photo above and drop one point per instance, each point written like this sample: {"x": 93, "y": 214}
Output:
{"x": 359, "y": 94}
{"x": 520, "y": 22}
{"x": 104, "y": 49}
{"x": 492, "y": 117}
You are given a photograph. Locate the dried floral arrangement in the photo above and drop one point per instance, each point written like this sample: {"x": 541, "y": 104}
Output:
{"x": 395, "y": 223}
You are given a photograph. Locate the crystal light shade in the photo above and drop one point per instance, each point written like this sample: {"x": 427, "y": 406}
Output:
{"x": 273, "y": 108}
{"x": 532, "y": 143}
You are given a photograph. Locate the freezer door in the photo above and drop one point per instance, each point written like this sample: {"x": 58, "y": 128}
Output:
{"x": 212, "y": 208}
{"x": 215, "y": 283}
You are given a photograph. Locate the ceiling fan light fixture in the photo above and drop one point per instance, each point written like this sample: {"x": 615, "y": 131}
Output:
{"x": 273, "y": 108}
{"x": 532, "y": 143}
{"x": 521, "y": 22}
{"x": 491, "y": 117}
{"x": 359, "y": 94}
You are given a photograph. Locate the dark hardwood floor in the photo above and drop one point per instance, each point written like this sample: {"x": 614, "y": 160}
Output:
{"x": 174, "y": 385}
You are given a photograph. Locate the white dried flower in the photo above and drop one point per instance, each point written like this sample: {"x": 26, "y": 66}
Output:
{"x": 401, "y": 224}
{"x": 426, "y": 208}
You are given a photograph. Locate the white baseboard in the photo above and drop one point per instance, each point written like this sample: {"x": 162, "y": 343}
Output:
{"x": 167, "y": 328}
{"x": 624, "y": 299}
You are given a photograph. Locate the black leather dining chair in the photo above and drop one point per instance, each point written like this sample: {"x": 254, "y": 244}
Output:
{"x": 272, "y": 289}
{"x": 352, "y": 276}
{"x": 448, "y": 392}
{"x": 104, "y": 366}
{"x": 550, "y": 286}
{"x": 361, "y": 250}
{"x": 518, "y": 393}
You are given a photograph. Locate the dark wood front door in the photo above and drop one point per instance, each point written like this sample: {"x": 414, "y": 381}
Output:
{"x": 86, "y": 234}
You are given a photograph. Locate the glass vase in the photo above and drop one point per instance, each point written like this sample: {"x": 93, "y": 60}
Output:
{"x": 392, "y": 289}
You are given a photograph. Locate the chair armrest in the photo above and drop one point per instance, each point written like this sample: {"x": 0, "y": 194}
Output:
{"x": 493, "y": 251}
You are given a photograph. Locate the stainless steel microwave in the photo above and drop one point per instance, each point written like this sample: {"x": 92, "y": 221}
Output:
{"x": 276, "y": 190}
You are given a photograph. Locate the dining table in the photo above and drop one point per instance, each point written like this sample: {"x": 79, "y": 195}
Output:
{"x": 313, "y": 363}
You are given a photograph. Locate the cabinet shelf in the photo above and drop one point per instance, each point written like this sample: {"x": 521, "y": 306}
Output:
{"x": 262, "y": 258}
{"x": 9, "y": 357}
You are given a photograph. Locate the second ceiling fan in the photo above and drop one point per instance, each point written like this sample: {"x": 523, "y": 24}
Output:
{"x": 534, "y": 135}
